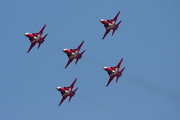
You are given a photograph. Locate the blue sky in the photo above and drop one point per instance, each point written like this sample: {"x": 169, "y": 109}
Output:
{"x": 148, "y": 40}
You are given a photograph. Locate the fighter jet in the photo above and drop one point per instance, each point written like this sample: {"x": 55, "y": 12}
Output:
{"x": 73, "y": 54}
{"x": 35, "y": 38}
{"x": 114, "y": 71}
{"x": 110, "y": 25}
{"x": 67, "y": 91}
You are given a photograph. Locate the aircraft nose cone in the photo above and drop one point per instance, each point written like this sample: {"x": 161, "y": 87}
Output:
{"x": 25, "y": 34}
{"x": 64, "y": 50}
{"x": 101, "y": 20}
{"x": 104, "y": 68}
{"x": 57, "y": 88}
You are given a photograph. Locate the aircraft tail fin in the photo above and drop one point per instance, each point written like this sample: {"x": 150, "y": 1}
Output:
{"x": 42, "y": 41}
{"x": 80, "y": 55}
{"x": 74, "y": 93}
{"x": 116, "y": 28}
{"x": 120, "y": 74}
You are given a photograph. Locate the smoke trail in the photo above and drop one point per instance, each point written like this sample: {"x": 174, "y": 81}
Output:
{"x": 154, "y": 88}
{"x": 93, "y": 62}
{"x": 104, "y": 106}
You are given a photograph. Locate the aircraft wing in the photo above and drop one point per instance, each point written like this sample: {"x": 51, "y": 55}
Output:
{"x": 110, "y": 79}
{"x": 64, "y": 97}
{"x": 107, "y": 31}
{"x": 119, "y": 64}
{"x": 79, "y": 47}
{"x": 32, "y": 45}
{"x": 70, "y": 60}
{"x": 115, "y": 18}
{"x": 41, "y": 31}
{"x": 72, "y": 85}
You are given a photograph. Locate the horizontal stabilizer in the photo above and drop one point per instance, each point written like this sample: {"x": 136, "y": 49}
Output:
{"x": 119, "y": 23}
{"x": 122, "y": 70}
{"x": 76, "y": 89}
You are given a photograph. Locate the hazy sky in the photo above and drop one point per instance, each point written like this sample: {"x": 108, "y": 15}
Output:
{"x": 148, "y": 39}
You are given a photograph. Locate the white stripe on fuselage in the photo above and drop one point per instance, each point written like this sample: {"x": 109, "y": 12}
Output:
{"x": 74, "y": 54}
{"x": 67, "y": 92}
{"x": 114, "y": 72}
{"x": 111, "y": 25}
{"x": 36, "y": 38}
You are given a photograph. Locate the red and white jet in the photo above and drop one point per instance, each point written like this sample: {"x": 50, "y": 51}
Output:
{"x": 74, "y": 54}
{"x": 35, "y": 38}
{"x": 114, "y": 71}
{"x": 110, "y": 24}
{"x": 67, "y": 91}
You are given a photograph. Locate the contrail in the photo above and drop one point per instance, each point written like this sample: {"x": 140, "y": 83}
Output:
{"x": 104, "y": 106}
{"x": 154, "y": 88}
{"x": 93, "y": 62}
